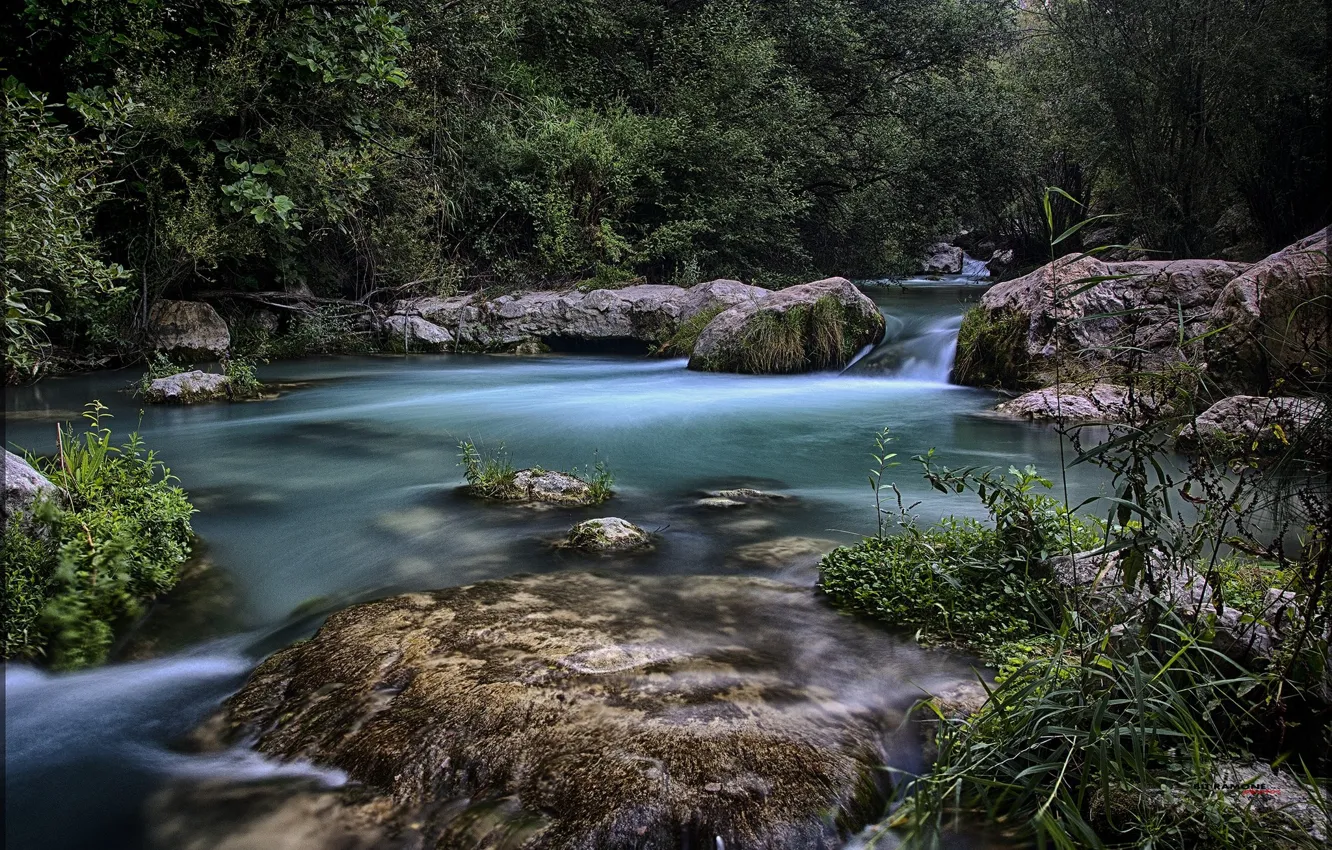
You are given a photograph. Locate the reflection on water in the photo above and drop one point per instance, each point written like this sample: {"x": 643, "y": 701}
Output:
{"x": 347, "y": 488}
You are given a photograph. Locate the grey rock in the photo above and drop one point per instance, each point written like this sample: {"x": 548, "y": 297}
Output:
{"x": 1273, "y": 323}
{"x": 416, "y": 329}
{"x": 607, "y": 534}
{"x": 545, "y": 487}
{"x": 942, "y": 258}
{"x": 785, "y": 332}
{"x": 1119, "y": 315}
{"x": 188, "y": 329}
{"x": 646, "y": 313}
{"x": 187, "y": 388}
{"x": 1238, "y": 424}
{"x": 1097, "y": 403}
{"x": 749, "y": 496}
{"x": 23, "y": 486}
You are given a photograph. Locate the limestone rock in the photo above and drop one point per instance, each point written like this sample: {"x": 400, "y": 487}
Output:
{"x": 538, "y": 487}
{"x": 942, "y": 258}
{"x": 1137, "y": 308}
{"x": 813, "y": 326}
{"x": 416, "y": 329}
{"x": 1273, "y": 322}
{"x": 606, "y": 711}
{"x": 188, "y": 329}
{"x": 1239, "y": 423}
{"x": 607, "y": 534}
{"x": 23, "y": 486}
{"x": 645, "y": 314}
{"x": 187, "y": 388}
{"x": 1097, "y": 403}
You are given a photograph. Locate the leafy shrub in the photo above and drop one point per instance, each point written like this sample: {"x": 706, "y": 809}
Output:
{"x": 328, "y": 329}
{"x": 961, "y": 581}
{"x": 241, "y": 379}
{"x": 89, "y": 560}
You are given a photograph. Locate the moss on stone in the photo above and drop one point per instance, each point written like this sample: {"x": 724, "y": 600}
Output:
{"x": 681, "y": 343}
{"x": 992, "y": 350}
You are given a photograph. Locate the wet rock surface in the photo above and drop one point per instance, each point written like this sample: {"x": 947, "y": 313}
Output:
{"x": 187, "y": 388}
{"x": 603, "y": 712}
{"x": 783, "y": 551}
{"x": 606, "y": 534}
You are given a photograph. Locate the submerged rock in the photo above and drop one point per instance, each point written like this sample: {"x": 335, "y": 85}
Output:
{"x": 187, "y": 388}
{"x": 1273, "y": 323}
{"x": 783, "y": 551}
{"x": 401, "y": 327}
{"x": 23, "y": 486}
{"x": 188, "y": 329}
{"x": 1241, "y": 424}
{"x": 805, "y": 328}
{"x": 607, "y": 534}
{"x": 606, "y": 712}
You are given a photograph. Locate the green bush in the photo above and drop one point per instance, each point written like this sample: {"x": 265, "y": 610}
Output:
{"x": 963, "y": 582}
{"x": 88, "y": 561}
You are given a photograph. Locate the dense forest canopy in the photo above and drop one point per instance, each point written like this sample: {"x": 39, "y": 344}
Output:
{"x": 359, "y": 147}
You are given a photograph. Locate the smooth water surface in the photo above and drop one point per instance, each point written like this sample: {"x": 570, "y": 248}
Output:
{"x": 345, "y": 487}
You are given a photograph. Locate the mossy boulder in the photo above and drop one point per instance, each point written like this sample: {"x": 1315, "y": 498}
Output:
{"x": 606, "y": 534}
{"x": 1080, "y": 316}
{"x": 1241, "y": 425}
{"x": 600, "y": 711}
{"x": 805, "y": 328}
{"x": 538, "y": 487}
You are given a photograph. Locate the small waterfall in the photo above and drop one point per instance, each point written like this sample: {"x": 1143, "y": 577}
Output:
{"x": 920, "y": 349}
{"x": 972, "y": 267}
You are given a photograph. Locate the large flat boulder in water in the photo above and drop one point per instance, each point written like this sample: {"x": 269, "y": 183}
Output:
{"x": 601, "y": 711}
{"x": 1274, "y": 322}
{"x": 805, "y": 328}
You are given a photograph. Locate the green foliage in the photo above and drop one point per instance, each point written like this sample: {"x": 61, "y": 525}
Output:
{"x": 88, "y": 561}
{"x": 980, "y": 586}
{"x": 1110, "y": 743}
{"x": 992, "y": 350}
{"x": 160, "y": 365}
{"x": 489, "y": 475}
{"x": 600, "y": 481}
{"x": 681, "y": 343}
{"x": 327, "y": 329}
{"x": 53, "y": 264}
{"x": 797, "y": 339}
{"x": 242, "y": 382}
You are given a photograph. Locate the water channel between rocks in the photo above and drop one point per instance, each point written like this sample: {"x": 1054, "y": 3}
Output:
{"x": 345, "y": 488}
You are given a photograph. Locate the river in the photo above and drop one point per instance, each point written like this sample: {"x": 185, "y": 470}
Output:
{"x": 345, "y": 487}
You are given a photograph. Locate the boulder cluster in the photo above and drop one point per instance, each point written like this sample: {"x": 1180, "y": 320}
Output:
{"x": 1094, "y": 341}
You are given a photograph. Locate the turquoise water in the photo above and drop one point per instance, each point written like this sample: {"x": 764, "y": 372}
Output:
{"x": 345, "y": 487}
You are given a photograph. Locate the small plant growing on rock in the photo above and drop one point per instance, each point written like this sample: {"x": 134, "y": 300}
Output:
{"x": 241, "y": 379}
{"x": 160, "y": 366}
{"x": 489, "y": 475}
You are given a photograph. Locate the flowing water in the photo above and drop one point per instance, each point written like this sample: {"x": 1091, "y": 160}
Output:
{"x": 345, "y": 487}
